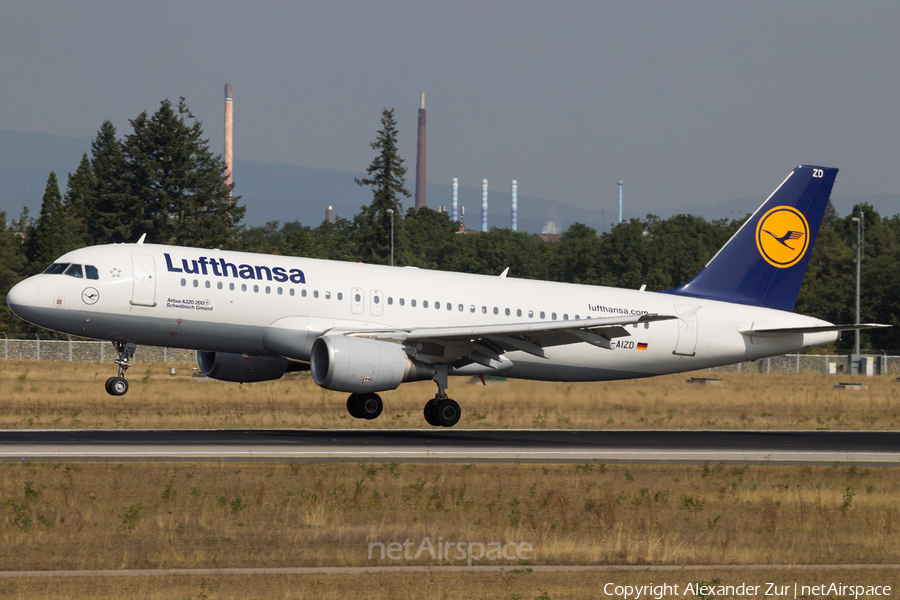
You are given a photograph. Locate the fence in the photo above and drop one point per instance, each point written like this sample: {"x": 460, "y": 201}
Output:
{"x": 92, "y": 351}
{"x": 88, "y": 351}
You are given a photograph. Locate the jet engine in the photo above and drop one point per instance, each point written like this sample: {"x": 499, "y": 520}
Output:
{"x": 357, "y": 365}
{"x": 243, "y": 368}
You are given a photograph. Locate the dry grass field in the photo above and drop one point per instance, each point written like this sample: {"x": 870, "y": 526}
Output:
{"x": 516, "y": 584}
{"x": 71, "y": 395}
{"x": 184, "y": 515}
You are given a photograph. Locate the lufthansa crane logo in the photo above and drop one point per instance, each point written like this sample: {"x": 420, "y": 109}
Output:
{"x": 782, "y": 236}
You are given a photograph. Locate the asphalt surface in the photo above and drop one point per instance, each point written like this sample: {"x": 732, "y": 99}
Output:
{"x": 455, "y": 445}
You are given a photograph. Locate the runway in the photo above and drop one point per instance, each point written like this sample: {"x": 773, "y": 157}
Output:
{"x": 455, "y": 445}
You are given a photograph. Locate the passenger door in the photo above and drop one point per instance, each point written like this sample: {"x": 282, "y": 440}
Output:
{"x": 143, "y": 292}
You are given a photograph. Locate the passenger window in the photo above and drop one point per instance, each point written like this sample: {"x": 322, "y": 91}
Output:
{"x": 340, "y": 296}
{"x": 496, "y": 311}
{"x": 518, "y": 312}
{"x": 357, "y": 298}
{"x": 424, "y": 303}
{"x": 577, "y": 317}
{"x": 196, "y": 283}
{"x": 207, "y": 285}
{"x": 565, "y": 317}
{"x": 315, "y": 293}
{"x": 219, "y": 285}
{"x": 390, "y": 300}
{"x": 412, "y": 303}
{"x": 376, "y": 299}
{"x": 243, "y": 287}
{"x": 292, "y": 291}
{"x": 328, "y": 295}
{"x": 268, "y": 290}
{"x": 543, "y": 315}
{"x": 530, "y": 314}
{"x": 91, "y": 272}
{"x": 279, "y": 291}
{"x": 302, "y": 292}
{"x": 74, "y": 271}
{"x": 507, "y": 312}
{"x": 484, "y": 310}
{"x": 231, "y": 287}
{"x": 553, "y": 316}
{"x": 402, "y": 301}
{"x": 471, "y": 308}
{"x": 256, "y": 289}
{"x": 183, "y": 282}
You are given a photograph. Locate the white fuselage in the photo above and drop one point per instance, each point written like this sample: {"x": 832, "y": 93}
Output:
{"x": 148, "y": 295}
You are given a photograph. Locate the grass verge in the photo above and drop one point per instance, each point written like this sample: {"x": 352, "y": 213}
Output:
{"x": 71, "y": 395}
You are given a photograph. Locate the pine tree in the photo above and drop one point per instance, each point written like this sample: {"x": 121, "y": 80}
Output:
{"x": 111, "y": 203}
{"x": 386, "y": 177}
{"x": 12, "y": 267}
{"x": 180, "y": 184}
{"x": 52, "y": 234}
{"x": 79, "y": 200}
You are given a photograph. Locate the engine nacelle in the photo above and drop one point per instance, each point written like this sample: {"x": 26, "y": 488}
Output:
{"x": 357, "y": 365}
{"x": 241, "y": 368}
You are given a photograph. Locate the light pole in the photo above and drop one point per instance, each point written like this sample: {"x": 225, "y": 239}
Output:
{"x": 859, "y": 232}
{"x": 390, "y": 211}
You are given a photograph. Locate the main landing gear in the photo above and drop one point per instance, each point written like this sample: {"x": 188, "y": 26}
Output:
{"x": 364, "y": 406}
{"x": 441, "y": 411}
{"x": 118, "y": 386}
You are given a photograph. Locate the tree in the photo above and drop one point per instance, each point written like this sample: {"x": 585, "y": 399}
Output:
{"x": 79, "y": 200}
{"x": 52, "y": 235}
{"x": 386, "y": 177}
{"x": 12, "y": 265}
{"x": 111, "y": 202}
{"x": 178, "y": 184}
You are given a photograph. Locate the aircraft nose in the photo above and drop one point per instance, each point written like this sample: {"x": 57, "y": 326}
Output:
{"x": 22, "y": 297}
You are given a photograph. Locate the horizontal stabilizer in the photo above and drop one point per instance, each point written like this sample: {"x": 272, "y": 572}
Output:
{"x": 824, "y": 328}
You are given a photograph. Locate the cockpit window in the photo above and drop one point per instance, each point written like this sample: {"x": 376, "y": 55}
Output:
{"x": 56, "y": 268}
{"x": 74, "y": 271}
{"x": 91, "y": 272}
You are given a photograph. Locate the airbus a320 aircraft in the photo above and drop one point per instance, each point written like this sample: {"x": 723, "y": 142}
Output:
{"x": 365, "y": 329}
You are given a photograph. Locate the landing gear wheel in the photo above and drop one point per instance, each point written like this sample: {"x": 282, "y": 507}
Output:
{"x": 429, "y": 414}
{"x": 370, "y": 406}
{"x": 353, "y": 406}
{"x": 117, "y": 386}
{"x": 447, "y": 413}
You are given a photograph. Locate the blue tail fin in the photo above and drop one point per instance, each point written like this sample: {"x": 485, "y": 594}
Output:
{"x": 764, "y": 262}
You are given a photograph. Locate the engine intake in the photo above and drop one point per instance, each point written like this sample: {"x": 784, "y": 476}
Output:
{"x": 241, "y": 368}
{"x": 349, "y": 364}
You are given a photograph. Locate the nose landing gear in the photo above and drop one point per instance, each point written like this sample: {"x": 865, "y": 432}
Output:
{"x": 441, "y": 411}
{"x": 118, "y": 386}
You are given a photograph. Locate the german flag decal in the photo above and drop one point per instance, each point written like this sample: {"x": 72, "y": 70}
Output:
{"x": 641, "y": 346}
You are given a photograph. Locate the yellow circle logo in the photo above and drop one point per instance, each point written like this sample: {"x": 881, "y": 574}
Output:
{"x": 782, "y": 236}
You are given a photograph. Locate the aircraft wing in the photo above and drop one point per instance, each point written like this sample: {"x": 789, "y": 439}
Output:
{"x": 485, "y": 343}
{"x": 821, "y": 329}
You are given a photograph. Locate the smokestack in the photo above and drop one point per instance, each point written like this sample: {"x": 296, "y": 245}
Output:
{"x": 229, "y": 125}
{"x": 484, "y": 205}
{"x": 329, "y": 214}
{"x": 420, "y": 157}
{"x": 515, "y": 202}
{"x": 620, "y": 202}
{"x": 454, "y": 207}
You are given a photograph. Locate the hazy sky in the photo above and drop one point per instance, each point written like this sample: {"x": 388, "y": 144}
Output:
{"x": 690, "y": 103}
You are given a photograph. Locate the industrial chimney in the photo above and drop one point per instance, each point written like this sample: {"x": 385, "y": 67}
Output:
{"x": 329, "y": 214}
{"x": 620, "y": 202}
{"x": 514, "y": 192}
{"x": 484, "y": 205}
{"x": 229, "y": 124}
{"x": 420, "y": 157}
{"x": 454, "y": 207}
